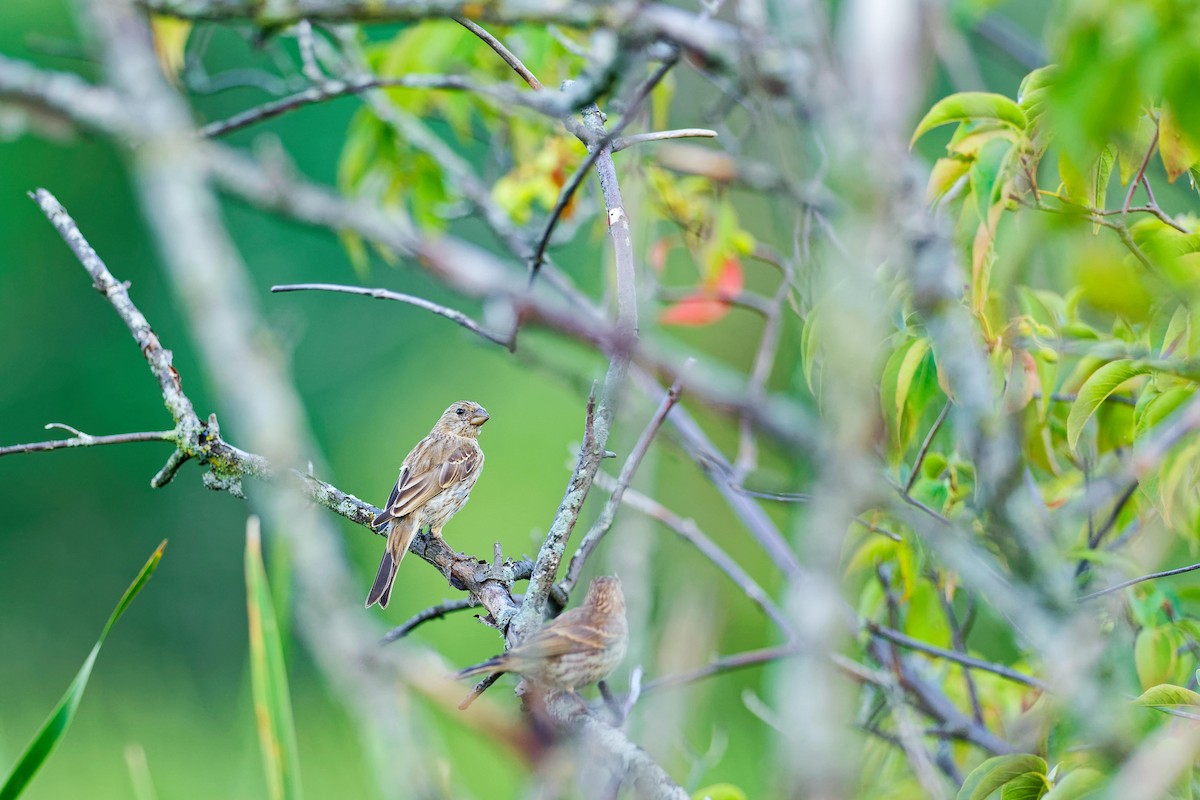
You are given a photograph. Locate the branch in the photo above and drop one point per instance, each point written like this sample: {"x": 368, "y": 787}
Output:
{"x": 608, "y": 513}
{"x": 331, "y": 89}
{"x": 715, "y": 41}
{"x": 689, "y": 531}
{"x": 725, "y": 664}
{"x": 117, "y": 293}
{"x": 87, "y": 440}
{"x": 592, "y": 452}
{"x": 624, "y": 142}
{"x": 600, "y": 145}
{"x": 431, "y": 613}
{"x": 384, "y": 294}
{"x": 502, "y": 51}
{"x": 904, "y": 640}
{"x": 1134, "y": 581}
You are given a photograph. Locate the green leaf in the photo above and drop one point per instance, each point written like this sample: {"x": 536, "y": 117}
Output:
{"x": 268, "y": 677}
{"x": 55, "y": 726}
{"x": 1155, "y": 655}
{"x": 1165, "y": 695}
{"x": 720, "y": 791}
{"x": 1131, "y": 149}
{"x": 971, "y": 106}
{"x": 1178, "y": 149}
{"x": 1030, "y": 786}
{"x": 1079, "y": 784}
{"x": 987, "y": 176}
{"x": 996, "y": 772}
{"x": 1095, "y": 390}
{"x": 1160, "y": 407}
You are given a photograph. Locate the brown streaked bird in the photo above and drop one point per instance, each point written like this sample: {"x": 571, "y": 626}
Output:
{"x": 434, "y": 484}
{"x": 579, "y": 647}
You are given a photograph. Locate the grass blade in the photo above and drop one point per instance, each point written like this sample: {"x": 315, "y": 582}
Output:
{"x": 56, "y": 724}
{"x": 268, "y": 677}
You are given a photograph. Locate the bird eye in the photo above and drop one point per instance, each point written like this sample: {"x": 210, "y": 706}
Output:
{"x": 460, "y": 411}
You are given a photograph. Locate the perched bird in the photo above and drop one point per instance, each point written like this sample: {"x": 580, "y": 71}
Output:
{"x": 579, "y": 647}
{"x": 435, "y": 481}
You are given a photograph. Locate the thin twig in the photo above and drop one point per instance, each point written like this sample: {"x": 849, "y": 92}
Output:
{"x": 781, "y": 497}
{"x": 428, "y": 614}
{"x": 725, "y": 664}
{"x": 597, "y": 146}
{"x": 603, "y": 522}
{"x": 904, "y": 640}
{"x": 1141, "y": 173}
{"x": 873, "y": 528}
{"x": 956, "y": 639}
{"x": 916, "y": 469}
{"x": 657, "y": 136}
{"x": 85, "y": 440}
{"x": 385, "y": 294}
{"x": 756, "y": 387}
{"x": 689, "y": 531}
{"x": 509, "y": 57}
{"x": 591, "y": 453}
{"x": 1133, "y": 581}
{"x": 479, "y": 689}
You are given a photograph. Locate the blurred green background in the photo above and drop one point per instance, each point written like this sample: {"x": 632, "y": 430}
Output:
{"x": 172, "y": 682}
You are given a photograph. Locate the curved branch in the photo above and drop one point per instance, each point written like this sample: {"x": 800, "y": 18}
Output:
{"x": 85, "y": 440}
{"x": 384, "y": 294}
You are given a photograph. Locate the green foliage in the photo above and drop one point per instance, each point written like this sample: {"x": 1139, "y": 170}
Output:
{"x": 268, "y": 678}
{"x": 55, "y": 726}
{"x": 1003, "y": 772}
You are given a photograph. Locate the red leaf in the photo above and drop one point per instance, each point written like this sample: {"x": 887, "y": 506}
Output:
{"x": 729, "y": 281}
{"x": 695, "y": 309}
{"x": 658, "y": 254}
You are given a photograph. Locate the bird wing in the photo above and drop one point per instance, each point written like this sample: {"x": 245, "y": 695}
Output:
{"x": 571, "y": 632}
{"x": 434, "y": 464}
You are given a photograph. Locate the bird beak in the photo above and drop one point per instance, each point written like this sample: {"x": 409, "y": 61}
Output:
{"x": 480, "y": 417}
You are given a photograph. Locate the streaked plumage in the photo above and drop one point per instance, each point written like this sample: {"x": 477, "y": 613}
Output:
{"x": 434, "y": 484}
{"x": 581, "y": 646}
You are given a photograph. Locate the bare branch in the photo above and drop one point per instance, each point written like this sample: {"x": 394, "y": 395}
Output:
{"x": 689, "y": 531}
{"x": 600, "y": 145}
{"x": 916, "y": 468}
{"x": 602, "y": 524}
{"x": 904, "y": 640}
{"x": 385, "y": 294}
{"x": 624, "y": 142}
{"x": 509, "y": 57}
{"x": 421, "y": 617}
{"x": 1141, "y": 579}
{"x": 592, "y": 452}
{"x": 117, "y": 293}
{"x": 86, "y": 440}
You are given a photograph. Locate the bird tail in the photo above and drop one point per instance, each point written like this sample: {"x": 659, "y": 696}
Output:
{"x": 400, "y": 536}
{"x": 381, "y": 590}
{"x": 494, "y": 664}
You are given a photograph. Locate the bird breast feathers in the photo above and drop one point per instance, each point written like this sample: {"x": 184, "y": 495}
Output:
{"x": 433, "y": 465}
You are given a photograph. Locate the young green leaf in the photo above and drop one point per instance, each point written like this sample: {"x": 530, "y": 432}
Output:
{"x": 268, "y": 678}
{"x": 1095, "y": 390}
{"x": 1081, "y": 783}
{"x": 1029, "y": 786}
{"x": 1167, "y": 696}
{"x": 971, "y": 106}
{"x": 55, "y": 726}
{"x": 996, "y": 772}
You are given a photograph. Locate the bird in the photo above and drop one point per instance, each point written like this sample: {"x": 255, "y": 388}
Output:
{"x": 435, "y": 481}
{"x": 577, "y": 648}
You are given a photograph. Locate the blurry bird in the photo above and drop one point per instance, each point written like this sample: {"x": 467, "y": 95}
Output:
{"x": 435, "y": 481}
{"x": 579, "y": 647}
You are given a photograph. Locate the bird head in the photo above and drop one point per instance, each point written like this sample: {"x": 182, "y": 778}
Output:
{"x": 464, "y": 418}
{"x": 605, "y": 595}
